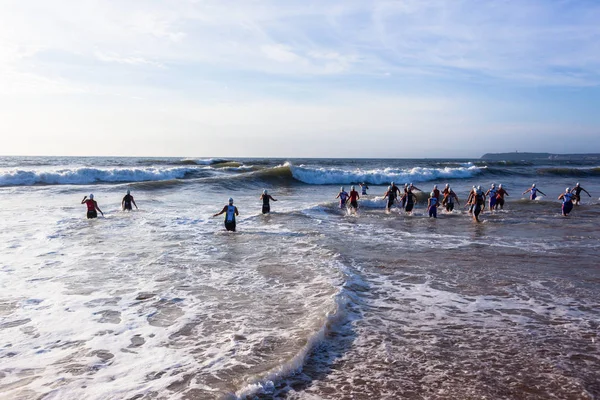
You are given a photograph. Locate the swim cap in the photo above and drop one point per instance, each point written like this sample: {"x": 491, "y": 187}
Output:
{"x": 432, "y": 194}
{"x": 265, "y": 191}
{"x": 500, "y": 185}
{"x": 342, "y": 189}
{"x": 230, "y": 200}
{"x": 128, "y": 191}
{"x": 435, "y": 186}
{"x": 392, "y": 183}
{"x": 533, "y": 185}
{"x": 406, "y": 185}
{"x": 352, "y": 187}
{"x": 577, "y": 184}
{"x": 447, "y": 185}
{"x": 389, "y": 188}
{"x": 91, "y": 196}
{"x": 567, "y": 189}
{"x": 493, "y": 185}
{"x": 478, "y": 187}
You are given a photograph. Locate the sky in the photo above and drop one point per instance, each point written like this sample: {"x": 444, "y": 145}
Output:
{"x": 299, "y": 78}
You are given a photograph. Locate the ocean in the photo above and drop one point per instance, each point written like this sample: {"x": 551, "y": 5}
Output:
{"x": 308, "y": 302}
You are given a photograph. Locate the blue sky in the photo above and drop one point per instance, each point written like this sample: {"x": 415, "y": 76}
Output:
{"x": 427, "y": 78}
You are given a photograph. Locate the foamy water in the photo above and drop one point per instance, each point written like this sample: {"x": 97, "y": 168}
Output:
{"x": 306, "y": 303}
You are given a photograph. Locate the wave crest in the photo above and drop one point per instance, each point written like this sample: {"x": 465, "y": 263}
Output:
{"x": 331, "y": 176}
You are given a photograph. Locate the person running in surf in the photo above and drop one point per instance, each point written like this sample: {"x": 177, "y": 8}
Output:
{"x": 409, "y": 199}
{"x": 500, "y": 197}
{"x": 396, "y": 190}
{"x": 343, "y": 196}
{"x": 230, "y": 212}
{"x": 391, "y": 197}
{"x": 436, "y": 191}
{"x": 471, "y": 199}
{"x": 353, "y": 199}
{"x": 449, "y": 197}
{"x": 413, "y": 187}
{"x": 364, "y": 188}
{"x": 567, "y": 197}
{"x": 403, "y": 198}
{"x": 266, "y": 197}
{"x": 533, "y": 191}
{"x": 432, "y": 204}
{"x": 92, "y": 206}
{"x": 492, "y": 194}
{"x": 479, "y": 200}
{"x": 577, "y": 192}
{"x": 127, "y": 201}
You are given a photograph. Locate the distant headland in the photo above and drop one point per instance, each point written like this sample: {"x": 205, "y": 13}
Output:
{"x": 518, "y": 156}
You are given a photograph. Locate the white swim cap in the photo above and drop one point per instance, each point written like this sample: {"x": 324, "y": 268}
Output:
{"x": 389, "y": 188}
{"x": 567, "y": 189}
{"x": 493, "y": 185}
{"x": 447, "y": 185}
{"x": 128, "y": 191}
{"x": 392, "y": 183}
{"x": 478, "y": 187}
{"x": 91, "y": 196}
{"x": 352, "y": 187}
{"x": 406, "y": 185}
{"x": 230, "y": 200}
{"x": 577, "y": 184}
{"x": 432, "y": 194}
{"x": 500, "y": 185}
{"x": 342, "y": 189}
{"x": 265, "y": 191}
{"x": 435, "y": 186}
{"x": 533, "y": 185}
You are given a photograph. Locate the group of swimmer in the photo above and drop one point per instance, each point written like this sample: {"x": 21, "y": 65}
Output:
{"x": 92, "y": 205}
{"x": 476, "y": 200}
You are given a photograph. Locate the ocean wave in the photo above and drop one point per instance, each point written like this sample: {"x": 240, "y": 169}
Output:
{"x": 564, "y": 171}
{"x": 330, "y": 176}
{"x": 83, "y": 176}
{"x": 203, "y": 161}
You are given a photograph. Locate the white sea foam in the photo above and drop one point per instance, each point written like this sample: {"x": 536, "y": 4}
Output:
{"x": 82, "y": 176}
{"x": 330, "y": 176}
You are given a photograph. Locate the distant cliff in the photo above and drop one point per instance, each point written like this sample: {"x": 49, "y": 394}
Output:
{"x": 518, "y": 156}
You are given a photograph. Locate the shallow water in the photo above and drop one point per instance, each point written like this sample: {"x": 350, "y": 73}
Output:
{"x": 306, "y": 303}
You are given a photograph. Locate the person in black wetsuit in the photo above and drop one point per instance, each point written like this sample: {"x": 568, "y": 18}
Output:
{"x": 265, "y": 197}
{"x": 577, "y": 192}
{"x": 127, "y": 201}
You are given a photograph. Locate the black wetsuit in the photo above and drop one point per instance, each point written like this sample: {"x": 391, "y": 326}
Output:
{"x": 127, "y": 202}
{"x": 266, "y": 208}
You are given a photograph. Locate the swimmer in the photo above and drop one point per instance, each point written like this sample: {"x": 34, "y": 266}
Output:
{"x": 437, "y": 193}
{"x": 127, "y": 200}
{"x": 391, "y": 198}
{"x": 409, "y": 199}
{"x": 343, "y": 196}
{"x": 449, "y": 197}
{"x": 230, "y": 212}
{"x": 471, "y": 199}
{"x": 432, "y": 204}
{"x": 491, "y": 194}
{"x": 413, "y": 187}
{"x": 479, "y": 200}
{"x": 567, "y": 197}
{"x": 364, "y": 188}
{"x": 500, "y": 197}
{"x": 403, "y": 197}
{"x": 577, "y": 192}
{"x": 353, "y": 199}
{"x": 533, "y": 191}
{"x": 396, "y": 190}
{"x": 92, "y": 206}
{"x": 265, "y": 197}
